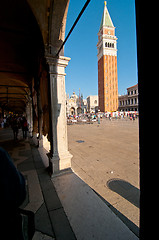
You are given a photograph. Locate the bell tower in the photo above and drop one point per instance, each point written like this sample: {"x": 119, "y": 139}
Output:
{"x": 107, "y": 64}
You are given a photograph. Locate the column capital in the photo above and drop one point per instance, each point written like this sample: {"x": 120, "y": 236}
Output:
{"x": 61, "y": 60}
{"x": 57, "y": 65}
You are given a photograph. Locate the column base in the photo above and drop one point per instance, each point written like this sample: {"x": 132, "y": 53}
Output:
{"x": 61, "y": 162}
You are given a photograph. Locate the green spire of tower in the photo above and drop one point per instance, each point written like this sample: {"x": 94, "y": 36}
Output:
{"x": 106, "y": 19}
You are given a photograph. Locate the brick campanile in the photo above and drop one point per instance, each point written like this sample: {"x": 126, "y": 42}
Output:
{"x": 107, "y": 64}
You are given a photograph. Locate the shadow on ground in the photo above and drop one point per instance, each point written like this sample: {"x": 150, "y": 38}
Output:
{"x": 130, "y": 193}
{"x": 126, "y": 190}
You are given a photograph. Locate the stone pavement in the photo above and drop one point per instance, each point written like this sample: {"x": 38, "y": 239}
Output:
{"x": 106, "y": 157}
{"x": 51, "y": 221}
{"x": 88, "y": 214}
{"x": 65, "y": 207}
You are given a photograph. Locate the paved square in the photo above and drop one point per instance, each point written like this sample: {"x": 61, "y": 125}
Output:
{"x": 106, "y": 157}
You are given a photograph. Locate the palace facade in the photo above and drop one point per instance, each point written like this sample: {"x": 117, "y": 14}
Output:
{"x": 129, "y": 101}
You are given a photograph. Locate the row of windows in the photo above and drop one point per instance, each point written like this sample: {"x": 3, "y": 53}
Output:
{"x": 132, "y": 92}
{"x": 111, "y": 45}
{"x": 129, "y": 109}
{"x": 128, "y": 102}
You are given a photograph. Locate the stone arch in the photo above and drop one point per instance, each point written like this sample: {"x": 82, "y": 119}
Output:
{"x": 79, "y": 110}
{"x": 21, "y": 48}
{"x": 51, "y": 17}
{"x": 58, "y": 25}
{"x": 72, "y": 111}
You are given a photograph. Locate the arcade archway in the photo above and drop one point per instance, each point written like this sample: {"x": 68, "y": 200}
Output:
{"x": 32, "y": 76}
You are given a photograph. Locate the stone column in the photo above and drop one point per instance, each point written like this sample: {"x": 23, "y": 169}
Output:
{"x": 61, "y": 158}
{"x": 29, "y": 115}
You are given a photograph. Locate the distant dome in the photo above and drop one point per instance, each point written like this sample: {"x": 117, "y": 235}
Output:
{"x": 74, "y": 95}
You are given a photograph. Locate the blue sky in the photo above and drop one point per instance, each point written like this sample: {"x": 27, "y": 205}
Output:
{"x": 82, "y": 70}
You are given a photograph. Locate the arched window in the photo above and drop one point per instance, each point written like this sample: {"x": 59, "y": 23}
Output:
{"x": 106, "y": 44}
{"x": 110, "y": 45}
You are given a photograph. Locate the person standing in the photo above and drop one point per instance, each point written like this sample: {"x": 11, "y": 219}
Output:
{"x": 2, "y": 124}
{"x": 98, "y": 119}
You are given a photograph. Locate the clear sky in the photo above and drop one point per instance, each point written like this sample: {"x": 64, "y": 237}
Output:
{"x": 82, "y": 70}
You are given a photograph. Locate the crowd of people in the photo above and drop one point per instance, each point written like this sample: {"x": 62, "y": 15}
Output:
{"x": 16, "y": 123}
{"x": 93, "y": 117}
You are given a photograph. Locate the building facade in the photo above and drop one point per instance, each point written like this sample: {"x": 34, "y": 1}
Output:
{"x": 71, "y": 104}
{"x": 107, "y": 64}
{"x": 75, "y": 105}
{"x": 129, "y": 101}
{"x": 92, "y": 103}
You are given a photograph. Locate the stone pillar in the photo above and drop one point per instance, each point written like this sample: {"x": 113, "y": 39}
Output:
{"x": 61, "y": 158}
{"x": 29, "y": 115}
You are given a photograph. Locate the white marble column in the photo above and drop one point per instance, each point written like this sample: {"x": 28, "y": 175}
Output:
{"x": 61, "y": 158}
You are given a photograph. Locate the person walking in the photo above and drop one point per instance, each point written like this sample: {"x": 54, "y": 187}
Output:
{"x": 14, "y": 126}
{"x": 24, "y": 127}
